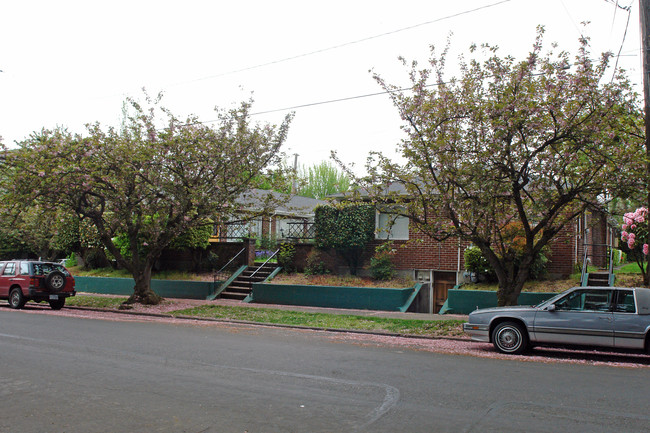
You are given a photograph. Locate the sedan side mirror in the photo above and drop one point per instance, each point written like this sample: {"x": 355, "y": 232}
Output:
{"x": 550, "y": 307}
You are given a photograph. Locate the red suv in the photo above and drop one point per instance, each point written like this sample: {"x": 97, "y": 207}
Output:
{"x": 27, "y": 280}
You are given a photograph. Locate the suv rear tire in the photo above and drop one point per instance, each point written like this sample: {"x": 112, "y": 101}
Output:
{"x": 16, "y": 298}
{"x": 55, "y": 281}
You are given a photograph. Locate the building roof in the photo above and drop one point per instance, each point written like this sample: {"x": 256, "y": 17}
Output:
{"x": 279, "y": 204}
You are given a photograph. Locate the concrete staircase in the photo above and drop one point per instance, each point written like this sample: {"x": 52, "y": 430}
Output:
{"x": 598, "y": 279}
{"x": 242, "y": 286}
{"x": 602, "y": 276}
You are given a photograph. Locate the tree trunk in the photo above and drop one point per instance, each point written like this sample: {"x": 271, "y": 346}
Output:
{"x": 352, "y": 258}
{"x": 508, "y": 295}
{"x": 511, "y": 283}
{"x": 142, "y": 292}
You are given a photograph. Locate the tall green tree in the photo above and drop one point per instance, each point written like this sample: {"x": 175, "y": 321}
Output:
{"x": 321, "y": 180}
{"x": 153, "y": 180}
{"x": 512, "y": 149}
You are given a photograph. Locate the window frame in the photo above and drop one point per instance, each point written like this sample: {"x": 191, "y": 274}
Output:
{"x": 388, "y": 233}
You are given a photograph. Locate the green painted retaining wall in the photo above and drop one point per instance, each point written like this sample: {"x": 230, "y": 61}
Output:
{"x": 360, "y": 298}
{"x": 465, "y": 301}
{"x": 165, "y": 288}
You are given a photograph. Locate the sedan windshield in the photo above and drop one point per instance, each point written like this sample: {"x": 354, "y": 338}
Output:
{"x": 550, "y": 300}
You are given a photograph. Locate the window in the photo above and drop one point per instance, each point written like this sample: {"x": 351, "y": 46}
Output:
{"x": 585, "y": 300}
{"x": 391, "y": 226}
{"x": 24, "y": 268}
{"x": 10, "y": 269}
{"x": 625, "y": 302}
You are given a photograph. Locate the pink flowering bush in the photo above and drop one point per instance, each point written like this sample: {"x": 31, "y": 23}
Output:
{"x": 634, "y": 232}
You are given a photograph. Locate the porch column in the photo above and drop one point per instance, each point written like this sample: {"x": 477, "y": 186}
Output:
{"x": 249, "y": 254}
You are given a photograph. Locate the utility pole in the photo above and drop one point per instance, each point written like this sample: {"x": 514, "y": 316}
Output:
{"x": 294, "y": 183}
{"x": 644, "y": 17}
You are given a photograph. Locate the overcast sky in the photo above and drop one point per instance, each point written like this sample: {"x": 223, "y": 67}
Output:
{"x": 70, "y": 62}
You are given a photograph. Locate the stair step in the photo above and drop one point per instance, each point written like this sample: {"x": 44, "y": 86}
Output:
{"x": 598, "y": 279}
{"x": 241, "y": 287}
{"x": 232, "y": 288}
{"x": 236, "y": 296}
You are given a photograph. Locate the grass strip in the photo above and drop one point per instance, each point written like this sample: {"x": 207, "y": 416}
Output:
{"x": 95, "y": 301}
{"x": 429, "y": 328}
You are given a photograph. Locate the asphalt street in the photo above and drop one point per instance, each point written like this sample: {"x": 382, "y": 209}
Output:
{"x": 66, "y": 374}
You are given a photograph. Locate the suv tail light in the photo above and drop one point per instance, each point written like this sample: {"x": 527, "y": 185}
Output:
{"x": 33, "y": 282}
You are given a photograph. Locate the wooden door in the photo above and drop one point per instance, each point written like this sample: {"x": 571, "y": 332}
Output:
{"x": 442, "y": 282}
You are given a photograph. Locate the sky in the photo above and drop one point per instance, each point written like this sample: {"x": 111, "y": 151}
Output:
{"x": 69, "y": 63}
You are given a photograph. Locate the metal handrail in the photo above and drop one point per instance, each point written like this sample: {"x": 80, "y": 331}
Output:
{"x": 584, "y": 269}
{"x": 226, "y": 265}
{"x": 585, "y": 274}
{"x": 263, "y": 264}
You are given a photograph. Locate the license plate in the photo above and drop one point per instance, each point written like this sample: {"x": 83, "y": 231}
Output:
{"x": 54, "y": 297}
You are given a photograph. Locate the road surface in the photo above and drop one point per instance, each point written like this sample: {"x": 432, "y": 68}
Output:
{"x": 68, "y": 374}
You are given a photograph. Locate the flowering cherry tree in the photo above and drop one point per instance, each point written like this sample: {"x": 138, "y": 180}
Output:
{"x": 634, "y": 232}
{"x": 530, "y": 143}
{"x": 150, "y": 182}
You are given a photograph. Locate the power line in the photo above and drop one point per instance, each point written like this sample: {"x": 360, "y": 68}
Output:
{"x": 627, "y": 24}
{"x": 332, "y": 101}
{"x": 346, "y": 44}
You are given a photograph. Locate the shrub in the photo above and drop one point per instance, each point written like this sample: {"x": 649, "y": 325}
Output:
{"x": 347, "y": 229}
{"x": 211, "y": 262}
{"x": 381, "y": 263}
{"x": 267, "y": 243}
{"x": 538, "y": 269}
{"x": 315, "y": 264}
{"x": 476, "y": 262}
{"x": 95, "y": 258}
{"x": 71, "y": 261}
{"x": 285, "y": 257}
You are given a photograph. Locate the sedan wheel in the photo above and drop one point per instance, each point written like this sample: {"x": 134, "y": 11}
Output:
{"x": 510, "y": 337}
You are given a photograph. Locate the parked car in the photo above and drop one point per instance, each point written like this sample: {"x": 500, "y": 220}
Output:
{"x": 586, "y": 316}
{"x": 38, "y": 281}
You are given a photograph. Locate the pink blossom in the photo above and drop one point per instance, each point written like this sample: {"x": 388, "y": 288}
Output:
{"x": 624, "y": 227}
{"x": 630, "y": 243}
{"x": 624, "y": 235}
{"x": 646, "y": 249}
{"x": 633, "y": 226}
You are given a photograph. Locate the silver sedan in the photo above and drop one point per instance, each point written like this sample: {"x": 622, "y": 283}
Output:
{"x": 591, "y": 316}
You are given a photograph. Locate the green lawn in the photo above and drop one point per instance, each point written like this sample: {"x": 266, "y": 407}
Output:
{"x": 95, "y": 301}
{"x": 77, "y": 271}
{"x": 630, "y": 268}
{"x": 431, "y": 328}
